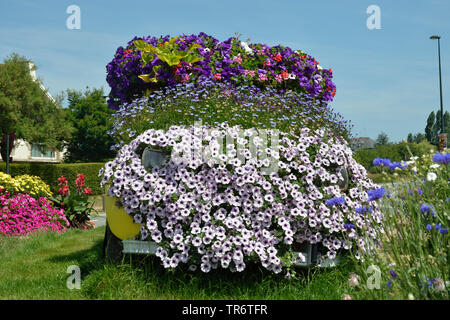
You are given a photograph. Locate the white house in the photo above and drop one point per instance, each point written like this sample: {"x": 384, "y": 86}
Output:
{"x": 27, "y": 152}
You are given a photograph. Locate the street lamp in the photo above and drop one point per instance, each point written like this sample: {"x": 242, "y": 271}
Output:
{"x": 442, "y": 140}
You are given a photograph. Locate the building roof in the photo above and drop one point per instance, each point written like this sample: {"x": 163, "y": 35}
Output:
{"x": 32, "y": 68}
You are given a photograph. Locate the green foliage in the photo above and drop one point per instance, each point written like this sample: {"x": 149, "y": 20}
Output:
{"x": 76, "y": 204}
{"x": 167, "y": 52}
{"x": 433, "y": 128}
{"x": 414, "y": 252}
{"x": 26, "y": 110}
{"x": 50, "y": 173}
{"x": 90, "y": 116}
{"x": 395, "y": 152}
{"x": 382, "y": 139}
{"x": 35, "y": 268}
{"x": 429, "y": 127}
{"x": 417, "y": 138}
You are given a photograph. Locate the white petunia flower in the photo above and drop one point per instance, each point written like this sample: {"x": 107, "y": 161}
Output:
{"x": 246, "y": 47}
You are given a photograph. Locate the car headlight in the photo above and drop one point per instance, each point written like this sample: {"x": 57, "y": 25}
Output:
{"x": 151, "y": 158}
{"x": 343, "y": 184}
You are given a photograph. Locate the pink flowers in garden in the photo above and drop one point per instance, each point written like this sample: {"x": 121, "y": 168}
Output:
{"x": 22, "y": 214}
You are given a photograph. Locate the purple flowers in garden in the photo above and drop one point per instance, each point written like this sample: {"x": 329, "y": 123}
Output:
{"x": 387, "y": 163}
{"x": 441, "y": 158}
{"x": 424, "y": 208}
{"x": 230, "y": 61}
{"x": 376, "y": 194}
{"x": 335, "y": 201}
{"x": 247, "y": 105}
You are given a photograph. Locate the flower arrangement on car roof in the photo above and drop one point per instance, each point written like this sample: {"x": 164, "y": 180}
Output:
{"x": 149, "y": 63}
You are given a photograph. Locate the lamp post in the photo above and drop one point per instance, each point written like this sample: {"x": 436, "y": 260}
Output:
{"x": 7, "y": 153}
{"x": 442, "y": 137}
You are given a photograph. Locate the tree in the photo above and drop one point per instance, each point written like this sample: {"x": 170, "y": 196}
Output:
{"x": 90, "y": 116}
{"x": 382, "y": 139}
{"x": 416, "y": 138}
{"x": 429, "y": 127}
{"x": 419, "y": 137}
{"x": 25, "y": 108}
{"x": 410, "y": 138}
{"x": 433, "y": 128}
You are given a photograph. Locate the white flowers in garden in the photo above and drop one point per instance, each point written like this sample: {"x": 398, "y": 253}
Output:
{"x": 246, "y": 47}
{"x": 431, "y": 176}
{"x": 229, "y": 196}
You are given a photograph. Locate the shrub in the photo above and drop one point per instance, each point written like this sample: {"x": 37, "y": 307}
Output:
{"x": 76, "y": 205}
{"x": 50, "y": 172}
{"x": 21, "y": 214}
{"x": 32, "y": 185}
{"x": 169, "y": 61}
{"x": 251, "y": 202}
{"x": 395, "y": 152}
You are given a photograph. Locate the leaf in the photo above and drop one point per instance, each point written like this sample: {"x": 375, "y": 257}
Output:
{"x": 169, "y": 59}
{"x": 194, "y": 47}
{"x": 172, "y": 41}
{"x": 182, "y": 54}
{"x": 147, "y": 78}
{"x": 192, "y": 59}
{"x": 142, "y": 45}
{"x": 79, "y": 208}
{"x": 146, "y": 59}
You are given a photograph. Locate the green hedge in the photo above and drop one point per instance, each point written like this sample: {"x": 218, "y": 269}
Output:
{"x": 50, "y": 172}
{"x": 395, "y": 152}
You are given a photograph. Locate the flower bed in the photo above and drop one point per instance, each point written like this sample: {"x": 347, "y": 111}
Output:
{"x": 21, "y": 214}
{"x": 412, "y": 259}
{"x": 149, "y": 63}
{"x": 32, "y": 185}
{"x": 252, "y": 202}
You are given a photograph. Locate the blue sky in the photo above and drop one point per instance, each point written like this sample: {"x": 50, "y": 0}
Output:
{"x": 387, "y": 80}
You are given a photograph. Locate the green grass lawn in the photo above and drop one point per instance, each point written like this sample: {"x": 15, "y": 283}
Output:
{"x": 35, "y": 267}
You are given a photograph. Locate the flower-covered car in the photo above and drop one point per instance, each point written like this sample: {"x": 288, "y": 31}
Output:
{"x": 228, "y": 154}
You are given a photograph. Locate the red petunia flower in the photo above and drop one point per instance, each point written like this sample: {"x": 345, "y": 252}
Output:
{"x": 285, "y": 74}
{"x": 277, "y": 57}
{"x": 126, "y": 53}
{"x": 217, "y": 76}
